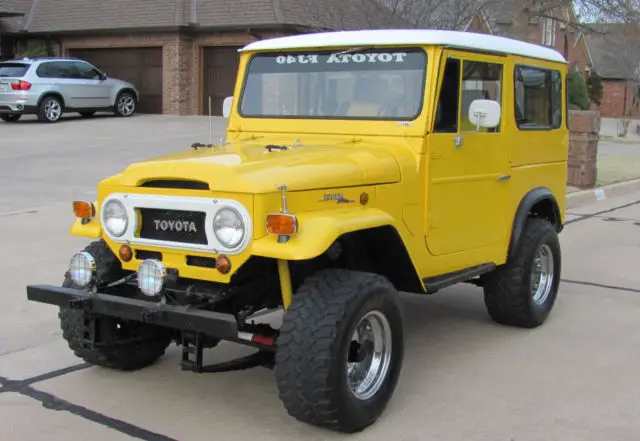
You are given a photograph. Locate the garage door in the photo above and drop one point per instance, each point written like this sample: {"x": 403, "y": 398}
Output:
{"x": 220, "y": 67}
{"x": 140, "y": 66}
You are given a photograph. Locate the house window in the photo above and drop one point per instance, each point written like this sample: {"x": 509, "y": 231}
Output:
{"x": 538, "y": 98}
{"x": 548, "y": 32}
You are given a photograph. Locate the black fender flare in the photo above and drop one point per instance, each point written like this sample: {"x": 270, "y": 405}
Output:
{"x": 522, "y": 214}
{"x": 53, "y": 94}
{"x": 126, "y": 90}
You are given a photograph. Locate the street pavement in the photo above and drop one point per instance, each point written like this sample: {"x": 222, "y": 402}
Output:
{"x": 464, "y": 377}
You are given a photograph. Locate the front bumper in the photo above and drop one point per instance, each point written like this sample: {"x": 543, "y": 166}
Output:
{"x": 214, "y": 324}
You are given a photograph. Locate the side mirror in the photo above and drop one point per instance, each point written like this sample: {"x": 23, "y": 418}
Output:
{"x": 485, "y": 113}
{"x": 226, "y": 106}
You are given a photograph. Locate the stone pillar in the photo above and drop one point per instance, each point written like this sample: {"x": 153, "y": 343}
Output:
{"x": 584, "y": 127}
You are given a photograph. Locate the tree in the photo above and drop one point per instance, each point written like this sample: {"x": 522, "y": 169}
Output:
{"x": 455, "y": 14}
{"x": 594, "y": 86}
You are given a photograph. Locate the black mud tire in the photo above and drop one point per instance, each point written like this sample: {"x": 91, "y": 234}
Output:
{"x": 313, "y": 346}
{"x": 508, "y": 294}
{"x": 125, "y": 357}
{"x": 10, "y": 118}
{"x": 50, "y": 100}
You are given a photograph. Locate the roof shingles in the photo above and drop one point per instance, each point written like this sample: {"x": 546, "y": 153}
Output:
{"x": 615, "y": 51}
{"x": 14, "y": 24}
{"x": 93, "y": 15}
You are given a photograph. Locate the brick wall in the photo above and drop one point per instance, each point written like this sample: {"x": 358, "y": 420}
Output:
{"x": 584, "y": 129}
{"x": 617, "y": 99}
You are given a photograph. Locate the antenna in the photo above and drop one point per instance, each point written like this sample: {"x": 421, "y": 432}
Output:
{"x": 210, "y": 123}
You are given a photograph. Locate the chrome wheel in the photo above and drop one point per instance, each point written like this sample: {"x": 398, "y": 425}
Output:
{"x": 542, "y": 274}
{"x": 52, "y": 110}
{"x": 369, "y": 355}
{"x": 126, "y": 105}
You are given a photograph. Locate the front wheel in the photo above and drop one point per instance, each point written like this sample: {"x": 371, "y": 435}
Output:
{"x": 523, "y": 292}
{"x": 125, "y": 104}
{"x": 123, "y": 345}
{"x": 340, "y": 350}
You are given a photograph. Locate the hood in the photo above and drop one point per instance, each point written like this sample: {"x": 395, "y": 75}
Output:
{"x": 249, "y": 167}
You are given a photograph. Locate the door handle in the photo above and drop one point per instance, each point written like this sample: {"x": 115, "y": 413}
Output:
{"x": 503, "y": 178}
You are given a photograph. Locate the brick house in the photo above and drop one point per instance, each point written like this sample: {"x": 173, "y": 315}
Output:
{"x": 178, "y": 52}
{"x": 616, "y": 56}
{"x": 552, "y": 31}
{"x": 11, "y": 15}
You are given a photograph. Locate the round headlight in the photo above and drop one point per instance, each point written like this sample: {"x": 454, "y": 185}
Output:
{"x": 82, "y": 269}
{"x": 228, "y": 227}
{"x": 115, "y": 218}
{"x": 151, "y": 277}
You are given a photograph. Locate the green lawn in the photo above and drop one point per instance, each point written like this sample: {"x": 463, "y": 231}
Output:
{"x": 612, "y": 169}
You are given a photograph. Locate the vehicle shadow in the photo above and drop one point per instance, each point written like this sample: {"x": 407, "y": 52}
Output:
{"x": 32, "y": 119}
{"x": 438, "y": 329}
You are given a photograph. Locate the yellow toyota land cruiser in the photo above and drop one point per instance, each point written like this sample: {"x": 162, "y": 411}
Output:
{"x": 355, "y": 165}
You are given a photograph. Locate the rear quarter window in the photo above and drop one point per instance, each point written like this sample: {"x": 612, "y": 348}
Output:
{"x": 13, "y": 69}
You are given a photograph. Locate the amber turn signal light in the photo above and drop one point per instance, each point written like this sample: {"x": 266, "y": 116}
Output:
{"x": 84, "y": 209}
{"x": 125, "y": 253}
{"x": 223, "y": 264}
{"x": 282, "y": 224}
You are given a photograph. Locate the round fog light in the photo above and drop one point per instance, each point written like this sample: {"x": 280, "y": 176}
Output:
{"x": 82, "y": 269}
{"x": 151, "y": 277}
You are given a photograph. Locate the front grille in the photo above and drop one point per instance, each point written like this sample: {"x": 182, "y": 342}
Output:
{"x": 173, "y": 225}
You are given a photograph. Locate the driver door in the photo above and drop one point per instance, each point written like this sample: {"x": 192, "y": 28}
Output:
{"x": 469, "y": 170}
{"x": 92, "y": 91}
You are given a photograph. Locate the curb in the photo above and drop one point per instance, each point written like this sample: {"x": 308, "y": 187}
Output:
{"x": 583, "y": 197}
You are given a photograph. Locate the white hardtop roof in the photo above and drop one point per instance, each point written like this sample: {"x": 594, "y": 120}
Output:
{"x": 388, "y": 37}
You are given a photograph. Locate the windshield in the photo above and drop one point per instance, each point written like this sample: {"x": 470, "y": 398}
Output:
{"x": 15, "y": 70}
{"x": 370, "y": 84}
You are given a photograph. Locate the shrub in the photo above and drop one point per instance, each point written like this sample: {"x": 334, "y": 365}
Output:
{"x": 577, "y": 90}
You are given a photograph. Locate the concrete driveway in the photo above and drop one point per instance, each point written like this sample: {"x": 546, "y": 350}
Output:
{"x": 464, "y": 378}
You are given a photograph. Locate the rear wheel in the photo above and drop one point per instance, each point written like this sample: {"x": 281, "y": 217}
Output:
{"x": 50, "y": 109}
{"x": 122, "y": 345}
{"x": 340, "y": 350}
{"x": 523, "y": 291}
{"x": 10, "y": 118}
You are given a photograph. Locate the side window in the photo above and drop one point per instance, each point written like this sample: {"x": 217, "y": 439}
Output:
{"x": 480, "y": 80}
{"x": 86, "y": 71}
{"x": 448, "y": 102}
{"x": 64, "y": 70}
{"x": 538, "y": 98}
{"x": 47, "y": 70}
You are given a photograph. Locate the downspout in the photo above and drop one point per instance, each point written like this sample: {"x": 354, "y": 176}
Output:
{"x": 194, "y": 12}
{"x": 624, "y": 108}
{"x": 27, "y": 22}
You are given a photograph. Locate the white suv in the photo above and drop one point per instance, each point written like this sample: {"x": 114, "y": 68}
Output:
{"x": 49, "y": 87}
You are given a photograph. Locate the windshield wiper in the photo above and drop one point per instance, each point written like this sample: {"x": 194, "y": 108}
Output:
{"x": 353, "y": 49}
